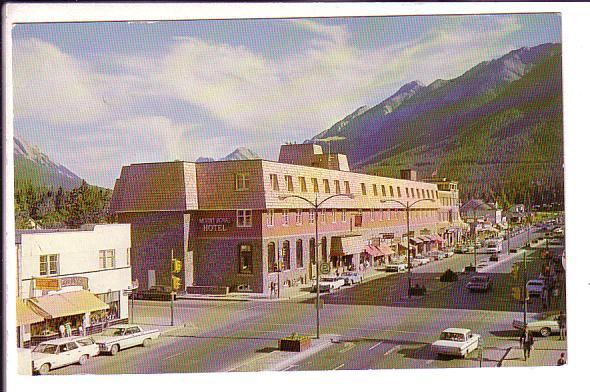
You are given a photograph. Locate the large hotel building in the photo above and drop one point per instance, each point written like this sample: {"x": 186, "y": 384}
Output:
{"x": 233, "y": 226}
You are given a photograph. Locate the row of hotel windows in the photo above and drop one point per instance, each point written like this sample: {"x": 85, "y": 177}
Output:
{"x": 282, "y": 262}
{"x": 244, "y": 217}
{"x": 242, "y": 182}
{"x": 49, "y": 264}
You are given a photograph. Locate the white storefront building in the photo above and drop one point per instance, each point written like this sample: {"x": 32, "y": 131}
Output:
{"x": 73, "y": 276}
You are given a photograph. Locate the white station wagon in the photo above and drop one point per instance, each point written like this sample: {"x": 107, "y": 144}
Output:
{"x": 62, "y": 352}
{"x": 457, "y": 342}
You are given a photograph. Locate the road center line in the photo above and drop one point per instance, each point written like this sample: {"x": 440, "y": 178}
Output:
{"x": 338, "y": 367}
{"x": 376, "y": 345}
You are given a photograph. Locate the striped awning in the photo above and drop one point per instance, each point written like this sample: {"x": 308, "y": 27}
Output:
{"x": 385, "y": 249}
{"x": 346, "y": 245}
{"x": 67, "y": 304}
{"x": 425, "y": 238}
{"x": 373, "y": 251}
{"x": 25, "y": 315}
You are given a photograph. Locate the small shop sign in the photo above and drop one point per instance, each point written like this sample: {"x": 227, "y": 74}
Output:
{"x": 48, "y": 284}
{"x": 74, "y": 281}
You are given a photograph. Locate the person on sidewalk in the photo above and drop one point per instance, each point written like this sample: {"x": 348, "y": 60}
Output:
{"x": 561, "y": 360}
{"x": 521, "y": 337}
{"x": 561, "y": 323}
{"x": 527, "y": 344}
{"x": 62, "y": 331}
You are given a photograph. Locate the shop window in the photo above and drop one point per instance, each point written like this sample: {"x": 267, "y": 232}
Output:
{"x": 312, "y": 250}
{"x": 274, "y": 182}
{"x": 347, "y": 187}
{"x": 363, "y": 188}
{"x": 270, "y": 218}
{"x": 106, "y": 258}
{"x": 337, "y": 186}
{"x": 302, "y": 184}
{"x": 311, "y": 216}
{"x": 324, "y": 249}
{"x": 244, "y": 218}
{"x": 326, "y": 186}
{"x": 272, "y": 257}
{"x": 286, "y": 253}
{"x": 316, "y": 188}
{"x": 112, "y": 299}
{"x": 298, "y": 217}
{"x": 289, "y": 183}
{"x": 299, "y": 253}
{"x": 49, "y": 265}
{"x": 245, "y": 259}
{"x": 242, "y": 182}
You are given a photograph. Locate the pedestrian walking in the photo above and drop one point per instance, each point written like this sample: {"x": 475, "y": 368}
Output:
{"x": 562, "y": 326}
{"x": 521, "y": 337}
{"x": 62, "y": 331}
{"x": 272, "y": 289}
{"x": 80, "y": 331}
{"x": 527, "y": 344}
{"x": 561, "y": 360}
{"x": 68, "y": 328}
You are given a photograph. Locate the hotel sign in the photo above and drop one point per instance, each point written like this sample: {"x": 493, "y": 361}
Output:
{"x": 48, "y": 284}
{"x": 75, "y": 281}
{"x": 214, "y": 224}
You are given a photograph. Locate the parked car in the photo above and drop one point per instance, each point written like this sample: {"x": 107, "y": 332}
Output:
{"x": 448, "y": 253}
{"x": 482, "y": 265}
{"x": 435, "y": 255}
{"x": 399, "y": 267}
{"x": 421, "y": 260}
{"x": 352, "y": 277}
{"x": 62, "y": 352}
{"x": 118, "y": 337}
{"x": 329, "y": 283}
{"x": 479, "y": 283}
{"x": 494, "y": 257}
{"x": 542, "y": 324}
{"x": 535, "y": 287}
{"x": 156, "y": 293}
{"x": 456, "y": 342}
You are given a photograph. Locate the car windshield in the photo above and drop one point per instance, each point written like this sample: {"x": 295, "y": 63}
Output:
{"x": 535, "y": 283}
{"x": 452, "y": 336}
{"x": 45, "y": 348}
{"x": 85, "y": 342}
{"x": 113, "y": 332}
{"x": 349, "y": 273}
{"x": 329, "y": 279}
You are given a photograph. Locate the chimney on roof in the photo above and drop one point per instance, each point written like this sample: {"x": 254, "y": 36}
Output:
{"x": 408, "y": 174}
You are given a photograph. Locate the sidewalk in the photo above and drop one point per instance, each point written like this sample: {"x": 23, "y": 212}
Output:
{"x": 545, "y": 352}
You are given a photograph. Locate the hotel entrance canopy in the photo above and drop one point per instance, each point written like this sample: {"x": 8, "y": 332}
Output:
{"x": 68, "y": 304}
{"x": 25, "y": 315}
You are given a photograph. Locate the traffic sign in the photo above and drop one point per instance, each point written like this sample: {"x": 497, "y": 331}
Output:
{"x": 325, "y": 268}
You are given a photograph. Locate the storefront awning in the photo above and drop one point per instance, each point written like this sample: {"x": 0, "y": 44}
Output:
{"x": 415, "y": 240}
{"x": 373, "y": 251}
{"x": 347, "y": 245}
{"x": 438, "y": 238}
{"x": 425, "y": 238}
{"x": 25, "y": 315}
{"x": 68, "y": 304}
{"x": 385, "y": 249}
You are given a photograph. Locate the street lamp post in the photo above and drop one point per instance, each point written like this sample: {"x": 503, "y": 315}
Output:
{"x": 407, "y": 207}
{"x": 316, "y": 205}
{"x": 475, "y": 233}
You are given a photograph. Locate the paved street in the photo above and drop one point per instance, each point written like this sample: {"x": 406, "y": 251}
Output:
{"x": 370, "y": 326}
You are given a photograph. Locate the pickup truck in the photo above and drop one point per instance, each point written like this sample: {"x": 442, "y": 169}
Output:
{"x": 117, "y": 337}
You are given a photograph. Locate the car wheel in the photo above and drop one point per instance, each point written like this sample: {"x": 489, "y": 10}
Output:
{"x": 44, "y": 369}
{"x": 114, "y": 349}
{"x": 147, "y": 342}
{"x": 83, "y": 359}
{"x": 545, "y": 332}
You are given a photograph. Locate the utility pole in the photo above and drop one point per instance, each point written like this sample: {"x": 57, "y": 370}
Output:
{"x": 171, "y": 287}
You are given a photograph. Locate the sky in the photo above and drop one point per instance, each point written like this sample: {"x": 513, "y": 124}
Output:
{"x": 101, "y": 95}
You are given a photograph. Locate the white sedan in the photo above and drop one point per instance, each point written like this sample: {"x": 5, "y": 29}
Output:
{"x": 62, "y": 352}
{"x": 329, "y": 283}
{"x": 456, "y": 342}
{"x": 421, "y": 260}
{"x": 352, "y": 277}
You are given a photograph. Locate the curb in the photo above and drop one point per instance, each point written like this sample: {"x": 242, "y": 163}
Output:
{"x": 504, "y": 356}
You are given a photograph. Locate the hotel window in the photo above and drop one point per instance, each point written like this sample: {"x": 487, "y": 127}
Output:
{"x": 244, "y": 218}
{"x": 407, "y": 193}
{"x": 383, "y": 193}
{"x": 417, "y": 193}
{"x": 323, "y": 216}
{"x": 316, "y": 188}
{"x": 399, "y": 192}
{"x": 372, "y": 214}
{"x": 388, "y": 216}
{"x": 302, "y": 184}
{"x": 412, "y": 189}
{"x": 272, "y": 257}
{"x": 49, "y": 265}
{"x": 363, "y": 188}
{"x": 428, "y": 193}
{"x": 333, "y": 215}
{"x": 128, "y": 256}
{"x": 106, "y": 258}
{"x": 326, "y": 186}
{"x": 336, "y": 186}
{"x": 270, "y": 218}
{"x": 381, "y": 215}
{"x": 423, "y": 195}
{"x": 391, "y": 191}
{"x": 286, "y": 253}
{"x": 311, "y": 216}
{"x": 298, "y": 216}
{"x": 375, "y": 190}
{"x": 242, "y": 182}
{"x": 343, "y": 215}
{"x": 245, "y": 257}
{"x": 289, "y": 183}
{"x": 347, "y": 187}
{"x": 274, "y": 182}
{"x": 285, "y": 217}
{"x": 299, "y": 254}
{"x": 436, "y": 192}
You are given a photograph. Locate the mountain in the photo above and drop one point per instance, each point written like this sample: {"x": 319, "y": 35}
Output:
{"x": 497, "y": 129}
{"x": 240, "y": 153}
{"x": 33, "y": 167}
